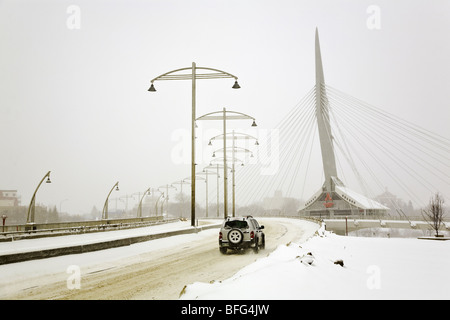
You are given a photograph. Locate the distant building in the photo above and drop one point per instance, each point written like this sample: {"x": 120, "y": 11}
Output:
{"x": 388, "y": 199}
{"x": 9, "y": 198}
{"x": 341, "y": 201}
{"x": 397, "y": 206}
{"x": 279, "y": 205}
{"x": 274, "y": 203}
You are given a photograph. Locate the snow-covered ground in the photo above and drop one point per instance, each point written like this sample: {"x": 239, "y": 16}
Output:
{"x": 373, "y": 268}
{"x": 18, "y": 276}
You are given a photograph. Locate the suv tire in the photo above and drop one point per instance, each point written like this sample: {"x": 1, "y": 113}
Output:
{"x": 235, "y": 236}
{"x": 256, "y": 248}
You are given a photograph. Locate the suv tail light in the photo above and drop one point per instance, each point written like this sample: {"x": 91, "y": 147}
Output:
{"x": 252, "y": 235}
{"x": 220, "y": 235}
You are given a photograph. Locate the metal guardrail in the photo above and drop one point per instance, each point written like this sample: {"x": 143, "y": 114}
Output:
{"x": 78, "y": 227}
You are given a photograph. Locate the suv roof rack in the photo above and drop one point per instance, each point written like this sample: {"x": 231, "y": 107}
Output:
{"x": 228, "y": 218}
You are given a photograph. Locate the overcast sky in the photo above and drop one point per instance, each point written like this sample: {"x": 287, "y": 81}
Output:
{"x": 74, "y": 77}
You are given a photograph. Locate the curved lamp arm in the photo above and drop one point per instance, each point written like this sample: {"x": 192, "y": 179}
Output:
{"x": 156, "y": 204}
{"x": 235, "y": 135}
{"x": 139, "y": 212}
{"x": 235, "y": 115}
{"x": 105, "y": 207}
{"x": 30, "y": 216}
{"x": 188, "y": 76}
{"x": 236, "y": 149}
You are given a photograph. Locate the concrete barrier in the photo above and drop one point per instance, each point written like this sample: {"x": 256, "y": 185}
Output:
{"x": 54, "y": 252}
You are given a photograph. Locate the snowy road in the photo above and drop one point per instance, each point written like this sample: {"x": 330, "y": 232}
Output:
{"x": 157, "y": 269}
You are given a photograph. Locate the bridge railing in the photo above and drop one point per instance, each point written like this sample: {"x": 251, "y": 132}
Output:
{"x": 376, "y": 217}
{"x": 353, "y": 216}
{"x": 58, "y": 228}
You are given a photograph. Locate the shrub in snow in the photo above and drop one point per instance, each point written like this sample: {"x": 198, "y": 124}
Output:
{"x": 339, "y": 262}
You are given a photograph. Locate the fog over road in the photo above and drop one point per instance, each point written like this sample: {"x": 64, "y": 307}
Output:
{"x": 159, "y": 273}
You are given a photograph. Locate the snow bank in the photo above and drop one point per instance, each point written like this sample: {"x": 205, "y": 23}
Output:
{"x": 372, "y": 268}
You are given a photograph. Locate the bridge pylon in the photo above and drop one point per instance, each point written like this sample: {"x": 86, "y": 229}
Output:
{"x": 334, "y": 198}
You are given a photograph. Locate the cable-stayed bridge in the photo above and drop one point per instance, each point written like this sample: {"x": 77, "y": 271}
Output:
{"x": 364, "y": 150}
{"x": 332, "y": 155}
{"x": 374, "y": 150}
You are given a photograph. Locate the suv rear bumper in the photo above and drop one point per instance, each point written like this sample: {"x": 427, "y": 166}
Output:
{"x": 243, "y": 244}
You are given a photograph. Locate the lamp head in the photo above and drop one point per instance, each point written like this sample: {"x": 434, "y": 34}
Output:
{"x": 254, "y": 123}
{"x": 152, "y": 88}
{"x": 117, "y": 188}
{"x": 236, "y": 85}
{"x": 256, "y": 143}
{"x": 48, "y": 180}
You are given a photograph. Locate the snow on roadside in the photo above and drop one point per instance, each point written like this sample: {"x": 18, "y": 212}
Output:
{"x": 373, "y": 268}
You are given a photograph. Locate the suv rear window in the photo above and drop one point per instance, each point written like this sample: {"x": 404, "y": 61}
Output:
{"x": 254, "y": 223}
{"x": 236, "y": 224}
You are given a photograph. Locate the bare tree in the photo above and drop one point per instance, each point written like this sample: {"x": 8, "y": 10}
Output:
{"x": 434, "y": 213}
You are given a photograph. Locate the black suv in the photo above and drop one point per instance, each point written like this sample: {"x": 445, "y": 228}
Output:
{"x": 241, "y": 233}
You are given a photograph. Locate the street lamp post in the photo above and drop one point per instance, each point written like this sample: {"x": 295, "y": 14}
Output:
{"x": 181, "y": 182}
{"x": 233, "y": 170}
{"x": 235, "y": 136}
{"x": 167, "y": 186}
{"x": 216, "y": 167}
{"x": 193, "y": 75}
{"x": 196, "y": 177}
{"x": 156, "y": 204}
{"x": 225, "y": 115}
{"x": 205, "y": 172}
{"x": 139, "y": 212}
{"x": 105, "y": 207}
{"x": 31, "y": 207}
{"x": 4, "y": 216}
